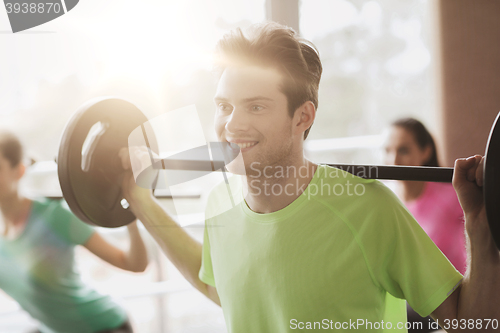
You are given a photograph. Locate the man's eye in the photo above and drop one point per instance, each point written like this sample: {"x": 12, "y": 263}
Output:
{"x": 256, "y": 107}
{"x": 224, "y": 107}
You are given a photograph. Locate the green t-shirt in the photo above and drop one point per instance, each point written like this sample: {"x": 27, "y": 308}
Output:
{"x": 345, "y": 252}
{"x": 37, "y": 269}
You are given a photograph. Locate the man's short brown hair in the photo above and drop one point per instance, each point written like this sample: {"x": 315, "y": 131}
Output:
{"x": 277, "y": 46}
{"x": 11, "y": 147}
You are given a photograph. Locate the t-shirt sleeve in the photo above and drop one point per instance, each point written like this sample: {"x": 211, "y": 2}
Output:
{"x": 404, "y": 260}
{"x": 68, "y": 226}
{"x": 206, "y": 273}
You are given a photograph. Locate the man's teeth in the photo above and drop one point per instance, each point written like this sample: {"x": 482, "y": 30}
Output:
{"x": 246, "y": 145}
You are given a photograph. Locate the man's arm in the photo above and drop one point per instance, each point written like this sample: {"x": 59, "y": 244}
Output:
{"x": 181, "y": 249}
{"x": 477, "y": 301}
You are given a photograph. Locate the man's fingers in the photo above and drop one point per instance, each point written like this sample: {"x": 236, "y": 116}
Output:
{"x": 136, "y": 159}
{"x": 480, "y": 171}
{"x": 470, "y": 168}
{"x": 125, "y": 158}
{"x": 462, "y": 166}
{"x": 471, "y": 172}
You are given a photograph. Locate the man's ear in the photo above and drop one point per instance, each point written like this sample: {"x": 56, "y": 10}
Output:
{"x": 304, "y": 117}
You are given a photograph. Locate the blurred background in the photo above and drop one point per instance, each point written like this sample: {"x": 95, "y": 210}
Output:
{"x": 437, "y": 61}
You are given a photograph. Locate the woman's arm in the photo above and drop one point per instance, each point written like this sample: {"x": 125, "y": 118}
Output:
{"x": 135, "y": 259}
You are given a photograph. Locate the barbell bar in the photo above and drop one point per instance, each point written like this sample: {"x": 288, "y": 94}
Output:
{"x": 90, "y": 174}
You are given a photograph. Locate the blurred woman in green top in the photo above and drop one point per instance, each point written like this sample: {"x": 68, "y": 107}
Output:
{"x": 37, "y": 265}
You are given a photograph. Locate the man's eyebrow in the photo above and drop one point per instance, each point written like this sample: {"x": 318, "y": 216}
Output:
{"x": 220, "y": 99}
{"x": 258, "y": 98}
{"x": 246, "y": 100}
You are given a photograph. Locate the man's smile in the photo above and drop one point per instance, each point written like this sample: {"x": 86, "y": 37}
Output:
{"x": 244, "y": 145}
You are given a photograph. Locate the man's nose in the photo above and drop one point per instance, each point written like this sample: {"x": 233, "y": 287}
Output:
{"x": 237, "y": 121}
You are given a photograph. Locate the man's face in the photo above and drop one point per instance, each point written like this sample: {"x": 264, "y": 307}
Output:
{"x": 252, "y": 112}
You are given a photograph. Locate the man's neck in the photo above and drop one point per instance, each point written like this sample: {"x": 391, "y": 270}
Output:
{"x": 278, "y": 186}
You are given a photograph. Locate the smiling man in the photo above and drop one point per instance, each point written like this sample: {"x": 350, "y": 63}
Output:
{"x": 306, "y": 246}
{"x": 252, "y": 112}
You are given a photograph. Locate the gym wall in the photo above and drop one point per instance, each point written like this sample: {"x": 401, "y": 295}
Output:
{"x": 469, "y": 75}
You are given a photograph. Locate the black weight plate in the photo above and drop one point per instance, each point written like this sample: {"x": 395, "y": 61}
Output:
{"x": 93, "y": 190}
{"x": 491, "y": 185}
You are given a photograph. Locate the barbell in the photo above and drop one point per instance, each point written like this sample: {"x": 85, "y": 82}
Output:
{"x": 90, "y": 171}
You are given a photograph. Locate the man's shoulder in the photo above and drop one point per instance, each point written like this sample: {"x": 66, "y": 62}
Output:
{"x": 359, "y": 174}
{"x": 359, "y": 202}
{"x": 224, "y": 196}
{"x": 337, "y": 186}
{"x": 231, "y": 185}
